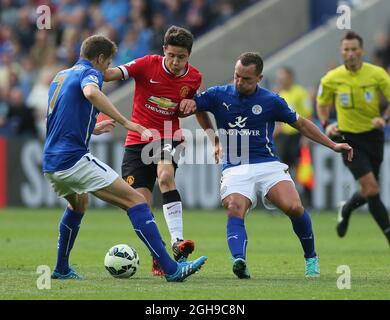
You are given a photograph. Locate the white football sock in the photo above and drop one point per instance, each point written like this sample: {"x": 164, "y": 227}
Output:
{"x": 173, "y": 214}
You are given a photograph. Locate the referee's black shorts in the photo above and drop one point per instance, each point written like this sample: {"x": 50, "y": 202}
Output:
{"x": 139, "y": 165}
{"x": 288, "y": 148}
{"x": 368, "y": 148}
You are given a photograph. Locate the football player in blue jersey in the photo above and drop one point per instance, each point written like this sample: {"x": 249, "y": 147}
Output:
{"x": 75, "y": 99}
{"x": 245, "y": 115}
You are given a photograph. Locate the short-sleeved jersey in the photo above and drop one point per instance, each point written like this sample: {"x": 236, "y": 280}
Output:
{"x": 245, "y": 123}
{"x": 157, "y": 95}
{"x": 298, "y": 97}
{"x": 71, "y": 118}
{"x": 355, "y": 94}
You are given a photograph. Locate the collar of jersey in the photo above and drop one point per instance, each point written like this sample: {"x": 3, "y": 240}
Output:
{"x": 240, "y": 95}
{"x": 84, "y": 62}
{"x": 170, "y": 73}
{"x": 355, "y": 72}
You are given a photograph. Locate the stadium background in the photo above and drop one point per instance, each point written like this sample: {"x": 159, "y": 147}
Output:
{"x": 301, "y": 34}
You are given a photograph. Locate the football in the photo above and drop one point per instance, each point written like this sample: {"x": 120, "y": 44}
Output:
{"x": 121, "y": 261}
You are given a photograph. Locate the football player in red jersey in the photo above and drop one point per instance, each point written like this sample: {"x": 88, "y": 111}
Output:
{"x": 161, "y": 84}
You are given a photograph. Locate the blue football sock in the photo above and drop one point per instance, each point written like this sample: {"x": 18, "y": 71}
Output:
{"x": 68, "y": 229}
{"x": 237, "y": 238}
{"x": 146, "y": 229}
{"x": 302, "y": 228}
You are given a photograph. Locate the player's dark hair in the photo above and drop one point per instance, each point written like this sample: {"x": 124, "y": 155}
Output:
{"x": 179, "y": 37}
{"x": 249, "y": 58}
{"x": 96, "y": 45}
{"x": 351, "y": 35}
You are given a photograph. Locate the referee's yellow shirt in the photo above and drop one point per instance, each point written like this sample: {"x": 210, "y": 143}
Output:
{"x": 298, "y": 98}
{"x": 355, "y": 95}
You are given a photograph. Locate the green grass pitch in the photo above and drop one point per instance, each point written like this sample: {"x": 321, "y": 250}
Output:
{"x": 28, "y": 239}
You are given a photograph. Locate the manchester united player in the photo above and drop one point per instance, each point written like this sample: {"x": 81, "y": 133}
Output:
{"x": 161, "y": 83}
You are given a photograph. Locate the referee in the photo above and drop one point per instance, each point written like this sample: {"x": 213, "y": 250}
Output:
{"x": 355, "y": 89}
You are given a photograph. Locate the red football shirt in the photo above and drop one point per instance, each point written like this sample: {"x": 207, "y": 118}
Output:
{"x": 157, "y": 95}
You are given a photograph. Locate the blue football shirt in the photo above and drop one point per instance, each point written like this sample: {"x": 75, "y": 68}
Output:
{"x": 71, "y": 118}
{"x": 245, "y": 123}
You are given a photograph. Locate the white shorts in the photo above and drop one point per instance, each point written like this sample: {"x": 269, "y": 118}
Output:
{"x": 89, "y": 174}
{"x": 252, "y": 180}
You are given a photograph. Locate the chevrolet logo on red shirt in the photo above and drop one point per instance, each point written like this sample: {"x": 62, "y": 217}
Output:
{"x": 163, "y": 102}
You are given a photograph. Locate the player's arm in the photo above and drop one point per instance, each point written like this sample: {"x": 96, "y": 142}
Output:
{"x": 101, "y": 102}
{"x": 310, "y": 130}
{"x": 112, "y": 74}
{"x": 189, "y": 106}
{"x": 133, "y": 69}
{"x": 104, "y": 126}
{"x": 206, "y": 124}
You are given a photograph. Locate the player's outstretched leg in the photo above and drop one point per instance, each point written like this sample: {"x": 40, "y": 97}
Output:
{"x": 146, "y": 229}
{"x": 122, "y": 195}
{"x": 303, "y": 229}
{"x": 185, "y": 269}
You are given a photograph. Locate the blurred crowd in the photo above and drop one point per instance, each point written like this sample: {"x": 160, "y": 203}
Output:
{"x": 30, "y": 57}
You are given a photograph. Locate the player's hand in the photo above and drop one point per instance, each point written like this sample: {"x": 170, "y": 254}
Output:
{"x": 332, "y": 130}
{"x": 145, "y": 133}
{"x": 104, "y": 126}
{"x": 344, "y": 147}
{"x": 378, "y": 122}
{"x": 187, "y": 106}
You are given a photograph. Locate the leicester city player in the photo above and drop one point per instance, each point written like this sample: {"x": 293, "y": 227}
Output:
{"x": 245, "y": 115}
{"x": 75, "y": 100}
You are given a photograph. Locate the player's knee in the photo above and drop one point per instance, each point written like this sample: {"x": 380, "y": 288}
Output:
{"x": 166, "y": 179}
{"x": 81, "y": 205}
{"x": 370, "y": 190}
{"x": 294, "y": 209}
{"x": 135, "y": 199}
{"x": 85, "y": 204}
{"x": 234, "y": 208}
